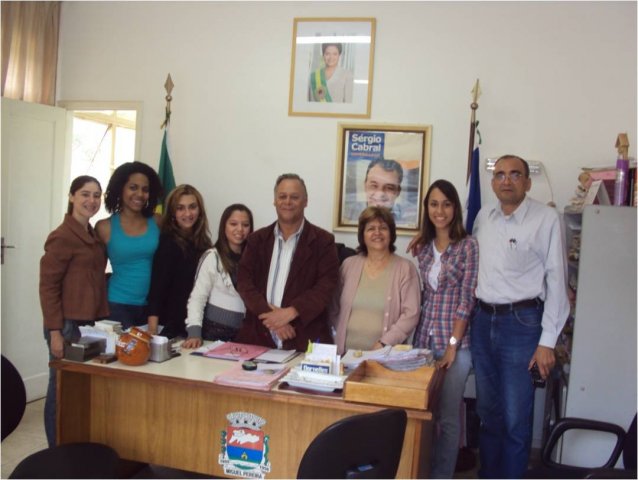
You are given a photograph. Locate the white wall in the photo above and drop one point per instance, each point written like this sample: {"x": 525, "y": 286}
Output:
{"x": 558, "y": 81}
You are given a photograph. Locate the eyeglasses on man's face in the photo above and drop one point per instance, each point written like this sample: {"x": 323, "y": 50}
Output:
{"x": 514, "y": 177}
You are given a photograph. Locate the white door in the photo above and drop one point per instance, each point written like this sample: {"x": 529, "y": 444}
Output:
{"x": 33, "y": 163}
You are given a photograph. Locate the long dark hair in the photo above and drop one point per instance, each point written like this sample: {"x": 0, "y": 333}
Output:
{"x": 222, "y": 245}
{"x": 199, "y": 236}
{"x": 113, "y": 194}
{"x": 428, "y": 230}
{"x": 78, "y": 183}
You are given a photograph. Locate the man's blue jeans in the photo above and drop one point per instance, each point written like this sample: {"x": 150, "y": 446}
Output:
{"x": 502, "y": 345}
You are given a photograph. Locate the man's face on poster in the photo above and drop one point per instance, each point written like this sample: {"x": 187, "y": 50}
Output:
{"x": 382, "y": 187}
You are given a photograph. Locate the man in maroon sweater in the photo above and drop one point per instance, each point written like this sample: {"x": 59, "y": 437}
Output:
{"x": 287, "y": 275}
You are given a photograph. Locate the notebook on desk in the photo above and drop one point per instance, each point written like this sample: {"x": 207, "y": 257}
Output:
{"x": 235, "y": 351}
{"x": 275, "y": 355}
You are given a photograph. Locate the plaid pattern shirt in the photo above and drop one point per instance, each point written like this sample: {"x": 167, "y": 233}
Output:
{"x": 454, "y": 297}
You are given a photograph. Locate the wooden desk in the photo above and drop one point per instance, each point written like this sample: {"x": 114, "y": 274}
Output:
{"x": 171, "y": 414}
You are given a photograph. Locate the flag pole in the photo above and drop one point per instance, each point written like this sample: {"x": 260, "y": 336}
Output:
{"x": 476, "y": 93}
{"x": 165, "y": 169}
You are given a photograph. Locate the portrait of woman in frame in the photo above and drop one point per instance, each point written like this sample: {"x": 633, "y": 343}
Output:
{"x": 331, "y": 67}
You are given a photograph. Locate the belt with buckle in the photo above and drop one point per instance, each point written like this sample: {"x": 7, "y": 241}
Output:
{"x": 509, "y": 307}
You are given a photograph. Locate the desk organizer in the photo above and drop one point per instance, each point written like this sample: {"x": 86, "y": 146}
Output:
{"x": 373, "y": 383}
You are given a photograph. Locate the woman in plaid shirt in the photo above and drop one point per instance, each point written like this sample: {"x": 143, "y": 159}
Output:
{"x": 448, "y": 262}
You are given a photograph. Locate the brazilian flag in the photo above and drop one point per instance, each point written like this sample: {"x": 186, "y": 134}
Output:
{"x": 165, "y": 171}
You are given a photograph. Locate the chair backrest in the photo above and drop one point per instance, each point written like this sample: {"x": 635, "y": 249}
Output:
{"x": 14, "y": 397}
{"x": 629, "y": 447}
{"x": 344, "y": 252}
{"x": 361, "y": 446}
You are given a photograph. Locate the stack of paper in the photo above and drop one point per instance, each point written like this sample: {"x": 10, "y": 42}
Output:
{"x": 261, "y": 379}
{"x": 110, "y": 326}
{"x": 398, "y": 357}
{"x": 406, "y": 360}
{"x": 110, "y": 336}
{"x": 353, "y": 358}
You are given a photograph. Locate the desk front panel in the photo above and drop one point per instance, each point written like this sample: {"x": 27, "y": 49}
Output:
{"x": 179, "y": 424}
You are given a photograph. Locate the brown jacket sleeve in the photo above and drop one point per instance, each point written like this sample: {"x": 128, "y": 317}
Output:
{"x": 53, "y": 266}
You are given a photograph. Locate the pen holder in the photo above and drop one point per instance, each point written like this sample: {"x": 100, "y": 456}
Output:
{"x": 134, "y": 347}
{"x": 160, "y": 349}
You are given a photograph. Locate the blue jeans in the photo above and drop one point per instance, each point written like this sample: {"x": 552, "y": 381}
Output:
{"x": 128, "y": 315}
{"x": 445, "y": 447}
{"x": 70, "y": 333}
{"x": 502, "y": 346}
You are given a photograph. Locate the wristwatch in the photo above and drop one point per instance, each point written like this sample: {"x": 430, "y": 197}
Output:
{"x": 453, "y": 341}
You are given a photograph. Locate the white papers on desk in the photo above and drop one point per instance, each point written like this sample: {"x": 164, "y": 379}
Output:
{"x": 353, "y": 358}
{"x": 275, "y": 355}
{"x": 322, "y": 357}
{"x": 111, "y": 337}
{"x": 322, "y": 382}
{"x": 145, "y": 328}
{"x": 205, "y": 347}
{"x": 399, "y": 355}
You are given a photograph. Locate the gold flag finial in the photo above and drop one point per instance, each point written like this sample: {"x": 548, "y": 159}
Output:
{"x": 476, "y": 93}
{"x": 168, "y": 85}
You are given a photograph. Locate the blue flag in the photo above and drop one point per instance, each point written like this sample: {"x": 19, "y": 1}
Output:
{"x": 474, "y": 191}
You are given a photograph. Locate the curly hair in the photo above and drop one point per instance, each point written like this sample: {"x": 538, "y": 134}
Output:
{"x": 376, "y": 213}
{"x": 121, "y": 175}
{"x": 199, "y": 236}
{"x": 428, "y": 230}
{"x": 222, "y": 245}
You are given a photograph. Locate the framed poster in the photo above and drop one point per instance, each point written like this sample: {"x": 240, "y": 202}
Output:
{"x": 382, "y": 165}
{"x": 331, "y": 67}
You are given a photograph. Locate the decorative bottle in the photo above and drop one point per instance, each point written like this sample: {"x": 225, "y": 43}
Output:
{"x": 620, "y": 187}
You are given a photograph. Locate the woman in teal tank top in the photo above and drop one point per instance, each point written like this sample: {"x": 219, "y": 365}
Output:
{"x": 131, "y": 235}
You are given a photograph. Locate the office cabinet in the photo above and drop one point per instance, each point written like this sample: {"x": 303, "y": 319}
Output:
{"x": 602, "y": 371}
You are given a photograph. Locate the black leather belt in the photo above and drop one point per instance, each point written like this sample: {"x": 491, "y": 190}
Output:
{"x": 509, "y": 307}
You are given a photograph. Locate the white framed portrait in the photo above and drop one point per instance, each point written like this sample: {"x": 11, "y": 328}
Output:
{"x": 331, "y": 67}
{"x": 385, "y": 166}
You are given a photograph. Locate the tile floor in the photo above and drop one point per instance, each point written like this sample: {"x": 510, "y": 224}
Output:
{"x": 28, "y": 438}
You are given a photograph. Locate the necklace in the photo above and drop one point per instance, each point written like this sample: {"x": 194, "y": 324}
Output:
{"x": 374, "y": 268}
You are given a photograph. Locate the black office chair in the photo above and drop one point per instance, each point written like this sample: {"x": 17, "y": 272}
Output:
{"x": 344, "y": 252}
{"x": 71, "y": 460}
{"x": 625, "y": 444}
{"x": 361, "y": 446}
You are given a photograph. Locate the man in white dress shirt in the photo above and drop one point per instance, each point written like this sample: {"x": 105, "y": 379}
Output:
{"x": 521, "y": 308}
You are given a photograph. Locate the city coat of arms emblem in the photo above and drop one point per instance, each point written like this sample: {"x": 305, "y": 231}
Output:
{"x": 244, "y": 446}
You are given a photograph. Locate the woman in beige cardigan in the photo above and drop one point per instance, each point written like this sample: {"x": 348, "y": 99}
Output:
{"x": 378, "y": 299}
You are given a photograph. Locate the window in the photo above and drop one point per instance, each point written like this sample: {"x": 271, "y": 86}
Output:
{"x": 104, "y": 136}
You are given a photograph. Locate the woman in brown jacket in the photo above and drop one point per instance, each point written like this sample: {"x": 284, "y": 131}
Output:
{"x": 72, "y": 281}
